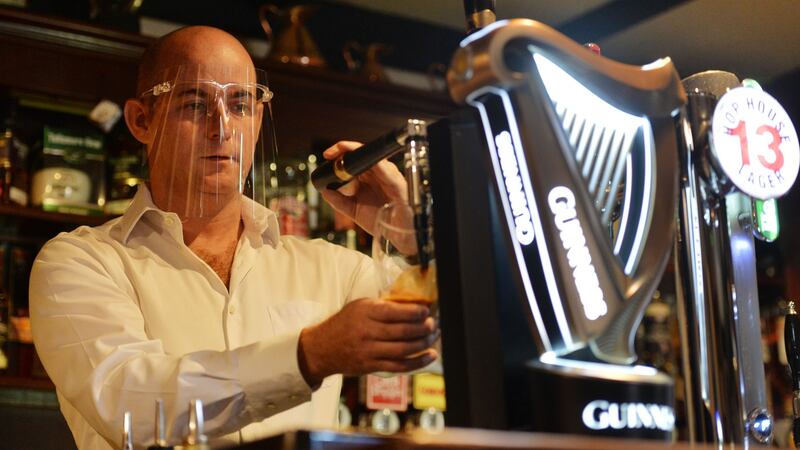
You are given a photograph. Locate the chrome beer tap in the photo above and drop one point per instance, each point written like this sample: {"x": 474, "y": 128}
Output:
{"x": 715, "y": 256}
{"x": 416, "y": 167}
{"x": 412, "y": 138}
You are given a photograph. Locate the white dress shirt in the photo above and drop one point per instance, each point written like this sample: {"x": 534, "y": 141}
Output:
{"x": 125, "y": 313}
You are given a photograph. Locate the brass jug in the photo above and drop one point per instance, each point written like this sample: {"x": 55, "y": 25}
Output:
{"x": 367, "y": 65}
{"x": 293, "y": 44}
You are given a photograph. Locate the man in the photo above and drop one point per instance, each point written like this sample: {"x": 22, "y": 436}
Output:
{"x": 193, "y": 294}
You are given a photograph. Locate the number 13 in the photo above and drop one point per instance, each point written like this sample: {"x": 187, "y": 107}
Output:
{"x": 741, "y": 131}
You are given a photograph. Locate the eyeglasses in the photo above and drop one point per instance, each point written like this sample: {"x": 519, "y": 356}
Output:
{"x": 199, "y": 98}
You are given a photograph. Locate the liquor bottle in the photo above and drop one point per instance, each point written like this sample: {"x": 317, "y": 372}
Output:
{"x": 20, "y": 342}
{"x": 5, "y": 165}
{"x": 288, "y": 197}
{"x": 20, "y": 179}
{"x": 14, "y": 153}
{"x": 654, "y": 343}
{"x": 5, "y": 314}
{"x": 313, "y": 199}
{"x": 343, "y": 231}
{"x": 126, "y": 169}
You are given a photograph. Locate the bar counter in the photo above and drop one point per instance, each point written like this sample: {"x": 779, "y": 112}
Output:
{"x": 458, "y": 438}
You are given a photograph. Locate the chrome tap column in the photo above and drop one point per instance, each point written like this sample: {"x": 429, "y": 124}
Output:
{"x": 738, "y": 145}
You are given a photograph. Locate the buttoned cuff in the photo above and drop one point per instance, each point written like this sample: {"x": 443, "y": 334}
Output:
{"x": 271, "y": 378}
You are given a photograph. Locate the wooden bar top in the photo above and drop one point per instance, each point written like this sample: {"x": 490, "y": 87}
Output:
{"x": 461, "y": 438}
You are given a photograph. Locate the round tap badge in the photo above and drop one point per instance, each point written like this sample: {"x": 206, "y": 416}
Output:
{"x": 755, "y": 143}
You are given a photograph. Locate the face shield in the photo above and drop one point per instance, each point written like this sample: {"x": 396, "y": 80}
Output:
{"x": 209, "y": 138}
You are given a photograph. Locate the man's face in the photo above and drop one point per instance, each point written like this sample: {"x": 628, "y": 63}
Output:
{"x": 206, "y": 127}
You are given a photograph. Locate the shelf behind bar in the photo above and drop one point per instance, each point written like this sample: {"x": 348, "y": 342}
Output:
{"x": 37, "y": 33}
{"x": 52, "y": 217}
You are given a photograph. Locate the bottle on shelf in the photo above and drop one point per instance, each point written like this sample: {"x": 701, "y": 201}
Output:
{"x": 654, "y": 336}
{"x": 126, "y": 169}
{"x": 288, "y": 196}
{"x": 5, "y": 313}
{"x": 313, "y": 199}
{"x": 5, "y": 165}
{"x": 13, "y": 158}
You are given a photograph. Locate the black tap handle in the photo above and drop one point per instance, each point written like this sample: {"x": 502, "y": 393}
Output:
{"x": 796, "y": 431}
{"x": 334, "y": 174}
{"x": 791, "y": 335}
{"x": 791, "y": 339}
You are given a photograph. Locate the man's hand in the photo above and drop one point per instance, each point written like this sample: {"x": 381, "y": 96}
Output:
{"x": 368, "y": 335}
{"x": 367, "y": 193}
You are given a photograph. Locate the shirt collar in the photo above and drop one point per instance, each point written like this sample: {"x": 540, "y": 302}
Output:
{"x": 142, "y": 203}
{"x": 260, "y": 220}
{"x": 257, "y": 219}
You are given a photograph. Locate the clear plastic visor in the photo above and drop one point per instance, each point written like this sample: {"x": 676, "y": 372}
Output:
{"x": 210, "y": 138}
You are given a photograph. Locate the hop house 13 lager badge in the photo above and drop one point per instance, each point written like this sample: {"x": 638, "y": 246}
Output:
{"x": 755, "y": 143}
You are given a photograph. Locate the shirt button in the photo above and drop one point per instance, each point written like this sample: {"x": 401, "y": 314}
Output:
{"x": 231, "y": 309}
{"x": 169, "y": 221}
{"x": 271, "y": 405}
{"x": 293, "y": 397}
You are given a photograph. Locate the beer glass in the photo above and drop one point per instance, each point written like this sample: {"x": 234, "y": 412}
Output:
{"x": 401, "y": 277}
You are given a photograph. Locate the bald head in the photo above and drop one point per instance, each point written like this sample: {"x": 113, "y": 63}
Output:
{"x": 196, "y": 46}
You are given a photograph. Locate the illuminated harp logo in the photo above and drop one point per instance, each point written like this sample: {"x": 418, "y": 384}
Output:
{"x": 583, "y": 150}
